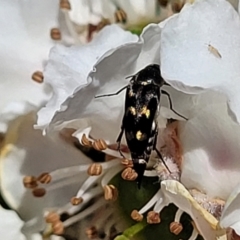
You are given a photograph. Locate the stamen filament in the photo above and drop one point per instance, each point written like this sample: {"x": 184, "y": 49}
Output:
{"x": 150, "y": 203}
{"x": 85, "y": 213}
{"x": 194, "y": 235}
{"x": 110, "y": 174}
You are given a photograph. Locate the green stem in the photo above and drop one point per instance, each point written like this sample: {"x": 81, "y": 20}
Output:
{"x": 132, "y": 231}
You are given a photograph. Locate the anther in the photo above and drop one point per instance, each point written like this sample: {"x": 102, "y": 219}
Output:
{"x": 135, "y": 215}
{"x": 127, "y": 163}
{"x": 177, "y": 6}
{"x": 95, "y": 169}
{"x": 163, "y": 3}
{"x": 58, "y": 228}
{"x": 92, "y": 232}
{"x": 153, "y": 217}
{"x": 76, "y": 201}
{"x": 85, "y": 141}
{"x": 55, "y": 34}
{"x": 120, "y": 16}
{"x": 37, "y": 77}
{"x": 39, "y": 192}
{"x": 99, "y": 145}
{"x": 30, "y": 182}
{"x": 129, "y": 174}
{"x": 110, "y": 192}
{"x": 176, "y": 227}
{"x": 65, "y": 4}
{"x": 103, "y": 24}
{"x": 44, "y": 178}
{"x": 52, "y": 217}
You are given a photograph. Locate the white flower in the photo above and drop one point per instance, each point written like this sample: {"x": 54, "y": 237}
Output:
{"x": 102, "y": 114}
{"x": 199, "y": 52}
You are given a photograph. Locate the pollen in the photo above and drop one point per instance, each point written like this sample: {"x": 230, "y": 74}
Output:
{"x": 153, "y": 217}
{"x": 30, "y": 182}
{"x": 176, "y": 228}
{"x": 65, "y": 4}
{"x": 214, "y": 51}
{"x": 129, "y": 174}
{"x": 37, "y": 76}
{"x": 120, "y": 16}
{"x": 95, "y": 169}
{"x": 76, "y": 201}
{"x": 145, "y": 112}
{"x": 110, "y": 193}
{"x": 39, "y": 192}
{"x": 55, "y": 34}
{"x": 52, "y": 217}
{"x": 136, "y": 216}
{"x": 99, "y": 145}
{"x": 132, "y": 110}
{"x": 44, "y": 178}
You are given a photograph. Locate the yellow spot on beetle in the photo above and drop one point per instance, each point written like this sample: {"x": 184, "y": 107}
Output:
{"x": 139, "y": 135}
{"x": 132, "y": 110}
{"x": 145, "y": 111}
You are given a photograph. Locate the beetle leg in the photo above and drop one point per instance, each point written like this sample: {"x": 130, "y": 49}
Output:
{"x": 158, "y": 153}
{"x": 119, "y": 142}
{"x": 170, "y": 103}
{"x": 112, "y": 94}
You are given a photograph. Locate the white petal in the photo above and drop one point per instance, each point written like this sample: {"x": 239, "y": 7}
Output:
{"x": 26, "y": 152}
{"x": 68, "y": 68}
{"x": 175, "y": 192}
{"x": 210, "y": 142}
{"x": 25, "y": 42}
{"x": 108, "y": 77}
{"x": 231, "y": 213}
{"x": 187, "y": 63}
{"x": 10, "y": 225}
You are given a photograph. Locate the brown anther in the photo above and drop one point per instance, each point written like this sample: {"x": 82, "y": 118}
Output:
{"x": 177, "y": 6}
{"x": 99, "y": 145}
{"x": 163, "y": 3}
{"x": 92, "y": 232}
{"x": 65, "y": 4}
{"x": 52, "y": 217}
{"x": 95, "y": 169}
{"x": 44, "y": 178}
{"x": 103, "y": 24}
{"x": 76, "y": 201}
{"x": 37, "y": 77}
{"x": 153, "y": 217}
{"x": 110, "y": 192}
{"x": 129, "y": 174}
{"x": 127, "y": 163}
{"x": 176, "y": 228}
{"x": 30, "y": 182}
{"x": 120, "y": 16}
{"x": 38, "y": 192}
{"x": 58, "y": 228}
{"x": 135, "y": 215}
{"x": 55, "y": 34}
{"x": 85, "y": 141}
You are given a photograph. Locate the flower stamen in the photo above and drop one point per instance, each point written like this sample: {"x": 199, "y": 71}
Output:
{"x": 65, "y": 5}
{"x": 99, "y": 145}
{"x": 153, "y": 217}
{"x": 38, "y": 76}
{"x": 55, "y": 34}
{"x": 135, "y": 215}
{"x": 110, "y": 193}
{"x": 39, "y": 192}
{"x": 30, "y": 182}
{"x": 52, "y": 217}
{"x": 44, "y": 178}
{"x": 129, "y": 174}
{"x": 95, "y": 169}
{"x": 120, "y": 16}
{"x": 176, "y": 227}
{"x": 76, "y": 201}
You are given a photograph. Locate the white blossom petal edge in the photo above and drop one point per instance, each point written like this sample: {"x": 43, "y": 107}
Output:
{"x": 68, "y": 67}
{"x": 200, "y": 49}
